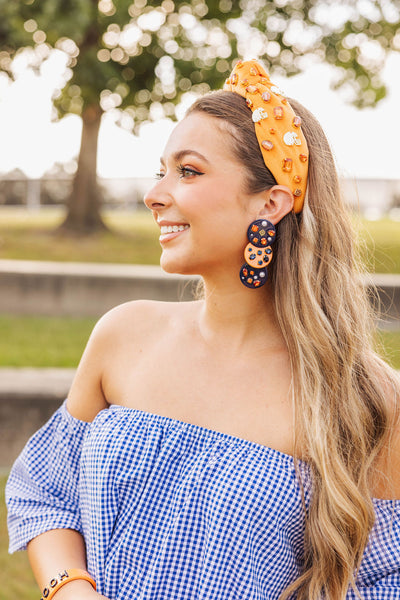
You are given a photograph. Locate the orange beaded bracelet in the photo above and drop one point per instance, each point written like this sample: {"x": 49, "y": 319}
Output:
{"x": 65, "y": 577}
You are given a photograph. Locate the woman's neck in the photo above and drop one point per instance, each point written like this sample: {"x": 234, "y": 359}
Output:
{"x": 239, "y": 318}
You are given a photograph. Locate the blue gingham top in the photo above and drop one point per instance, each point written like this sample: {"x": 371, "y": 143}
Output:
{"x": 171, "y": 510}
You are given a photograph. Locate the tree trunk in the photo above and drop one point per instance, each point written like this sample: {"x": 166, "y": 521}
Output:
{"x": 83, "y": 214}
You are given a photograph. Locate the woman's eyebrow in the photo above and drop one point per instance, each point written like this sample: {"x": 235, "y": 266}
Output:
{"x": 180, "y": 154}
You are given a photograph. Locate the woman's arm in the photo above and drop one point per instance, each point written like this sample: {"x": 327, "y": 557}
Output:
{"x": 55, "y": 551}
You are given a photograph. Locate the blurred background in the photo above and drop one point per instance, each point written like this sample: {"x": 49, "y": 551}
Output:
{"x": 89, "y": 93}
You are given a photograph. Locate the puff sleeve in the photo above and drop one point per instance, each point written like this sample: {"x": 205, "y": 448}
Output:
{"x": 379, "y": 574}
{"x": 42, "y": 490}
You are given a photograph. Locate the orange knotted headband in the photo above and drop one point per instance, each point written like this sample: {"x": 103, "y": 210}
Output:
{"x": 278, "y": 128}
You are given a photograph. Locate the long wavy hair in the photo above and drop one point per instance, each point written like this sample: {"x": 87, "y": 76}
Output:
{"x": 340, "y": 385}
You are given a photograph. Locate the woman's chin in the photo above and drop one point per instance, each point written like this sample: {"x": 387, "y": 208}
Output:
{"x": 176, "y": 266}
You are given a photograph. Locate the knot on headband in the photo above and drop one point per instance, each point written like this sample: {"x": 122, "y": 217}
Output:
{"x": 278, "y": 128}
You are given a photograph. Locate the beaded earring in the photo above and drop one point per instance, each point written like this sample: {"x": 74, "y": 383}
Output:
{"x": 258, "y": 253}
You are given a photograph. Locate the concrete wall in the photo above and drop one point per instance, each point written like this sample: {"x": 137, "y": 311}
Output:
{"x": 79, "y": 289}
{"x": 27, "y": 399}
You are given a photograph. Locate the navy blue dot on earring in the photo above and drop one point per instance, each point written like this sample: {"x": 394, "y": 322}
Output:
{"x": 261, "y": 233}
{"x": 253, "y": 278}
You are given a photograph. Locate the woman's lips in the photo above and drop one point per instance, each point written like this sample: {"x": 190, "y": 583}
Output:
{"x": 169, "y": 232}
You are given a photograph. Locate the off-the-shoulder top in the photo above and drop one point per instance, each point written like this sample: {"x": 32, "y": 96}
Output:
{"x": 176, "y": 511}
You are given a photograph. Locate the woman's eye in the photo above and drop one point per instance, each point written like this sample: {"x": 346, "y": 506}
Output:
{"x": 159, "y": 175}
{"x": 187, "y": 171}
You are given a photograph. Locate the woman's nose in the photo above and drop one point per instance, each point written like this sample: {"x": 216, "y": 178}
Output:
{"x": 156, "y": 197}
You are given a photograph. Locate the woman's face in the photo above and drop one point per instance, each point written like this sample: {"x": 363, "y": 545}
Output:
{"x": 200, "y": 195}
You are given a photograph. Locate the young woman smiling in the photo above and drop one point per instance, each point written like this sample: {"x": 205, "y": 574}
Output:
{"x": 246, "y": 444}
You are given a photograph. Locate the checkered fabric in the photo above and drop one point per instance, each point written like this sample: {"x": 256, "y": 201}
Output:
{"x": 175, "y": 511}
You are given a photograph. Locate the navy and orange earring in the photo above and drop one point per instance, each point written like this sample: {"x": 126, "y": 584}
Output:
{"x": 258, "y": 253}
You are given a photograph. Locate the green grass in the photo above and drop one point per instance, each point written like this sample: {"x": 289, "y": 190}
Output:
{"x": 133, "y": 239}
{"x": 380, "y": 244}
{"x": 59, "y": 341}
{"x": 389, "y": 346}
{"x": 17, "y": 582}
{"x": 43, "y": 341}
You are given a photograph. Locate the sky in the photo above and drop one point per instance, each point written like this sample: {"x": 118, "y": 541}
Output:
{"x": 366, "y": 143}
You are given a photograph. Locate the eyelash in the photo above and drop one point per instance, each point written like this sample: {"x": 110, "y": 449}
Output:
{"x": 183, "y": 172}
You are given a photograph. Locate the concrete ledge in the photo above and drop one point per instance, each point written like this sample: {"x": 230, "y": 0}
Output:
{"x": 88, "y": 289}
{"x": 388, "y": 288}
{"x": 84, "y": 289}
{"x": 28, "y": 397}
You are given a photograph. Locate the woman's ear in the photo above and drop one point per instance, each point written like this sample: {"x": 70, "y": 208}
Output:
{"x": 278, "y": 201}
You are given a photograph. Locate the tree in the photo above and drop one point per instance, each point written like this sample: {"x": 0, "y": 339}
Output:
{"x": 139, "y": 59}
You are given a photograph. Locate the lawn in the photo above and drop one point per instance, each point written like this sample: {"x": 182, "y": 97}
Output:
{"x": 133, "y": 238}
{"x": 380, "y": 244}
{"x": 42, "y": 341}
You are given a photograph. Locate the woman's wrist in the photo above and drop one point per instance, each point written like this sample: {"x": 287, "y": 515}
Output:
{"x": 64, "y": 579}
{"x": 78, "y": 588}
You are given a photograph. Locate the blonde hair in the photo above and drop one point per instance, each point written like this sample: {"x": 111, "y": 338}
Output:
{"x": 340, "y": 385}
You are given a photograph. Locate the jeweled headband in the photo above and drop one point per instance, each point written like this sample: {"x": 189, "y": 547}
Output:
{"x": 278, "y": 128}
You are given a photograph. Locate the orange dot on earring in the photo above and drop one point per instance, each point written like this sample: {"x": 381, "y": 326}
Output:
{"x": 257, "y": 257}
{"x": 272, "y": 131}
{"x": 303, "y": 157}
{"x": 297, "y": 179}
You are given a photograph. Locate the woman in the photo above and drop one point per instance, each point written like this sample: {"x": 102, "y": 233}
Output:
{"x": 245, "y": 445}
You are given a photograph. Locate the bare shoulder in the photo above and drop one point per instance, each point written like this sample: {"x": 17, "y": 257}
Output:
{"x": 140, "y": 318}
{"x": 136, "y": 324}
